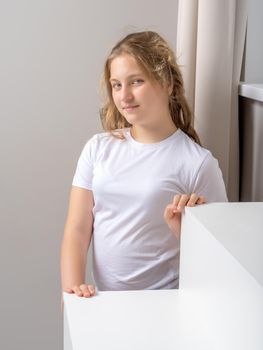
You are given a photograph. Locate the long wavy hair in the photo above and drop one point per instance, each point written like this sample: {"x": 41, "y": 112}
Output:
{"x": 156, "y": 57}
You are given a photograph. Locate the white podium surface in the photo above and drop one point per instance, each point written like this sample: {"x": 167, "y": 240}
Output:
{"x": 219, "y": 304}
{"x": 222, "y": 263}
{"x": 134, "y": 320}
{"x": 253, "y": 91}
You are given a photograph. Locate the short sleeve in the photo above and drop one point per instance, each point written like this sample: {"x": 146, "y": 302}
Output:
{"x": 209, "y": 181}
{"x": 84, "y": 171}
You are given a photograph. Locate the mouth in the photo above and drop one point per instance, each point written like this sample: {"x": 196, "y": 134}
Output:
{"x": 130, "y": 108}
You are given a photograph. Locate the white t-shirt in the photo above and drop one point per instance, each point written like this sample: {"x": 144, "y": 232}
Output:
{"x": 132, "y": 183}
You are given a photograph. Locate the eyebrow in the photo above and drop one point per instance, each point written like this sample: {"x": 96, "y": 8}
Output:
{"x": 128, "y": 77}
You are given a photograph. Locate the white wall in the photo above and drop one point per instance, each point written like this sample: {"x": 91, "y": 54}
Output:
{"x": 253, "y": 65}
{"x": 50, "y": 62}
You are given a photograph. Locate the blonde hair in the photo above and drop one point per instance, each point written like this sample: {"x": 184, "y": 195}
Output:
{"x": 155, "y": 56}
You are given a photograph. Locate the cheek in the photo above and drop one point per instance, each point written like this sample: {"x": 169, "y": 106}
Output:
{"x": 150, "y": 99}
{"x": 115, "y": 99}
{"x": 117, "y": 103}
{"x": 149, "y": 94}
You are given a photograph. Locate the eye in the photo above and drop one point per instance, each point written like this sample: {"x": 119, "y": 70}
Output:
{"x": 116, "y": 86}
{"x": 137, "y": 81}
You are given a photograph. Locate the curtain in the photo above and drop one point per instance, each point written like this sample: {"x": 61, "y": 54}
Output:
{"x": 210, "y": 44}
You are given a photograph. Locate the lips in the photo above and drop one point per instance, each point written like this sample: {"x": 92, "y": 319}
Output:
{"x": 130, "y": 108}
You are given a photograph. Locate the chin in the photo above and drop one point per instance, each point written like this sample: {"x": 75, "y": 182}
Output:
{"x": 133, "y": 120}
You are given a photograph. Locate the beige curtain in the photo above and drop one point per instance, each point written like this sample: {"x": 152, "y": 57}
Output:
{"x": 210, "y": 44}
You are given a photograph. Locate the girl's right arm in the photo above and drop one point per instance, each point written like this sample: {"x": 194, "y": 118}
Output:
{"x": 76, "y": 241}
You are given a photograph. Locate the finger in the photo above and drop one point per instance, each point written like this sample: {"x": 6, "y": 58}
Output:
{"x": 192, "y": 200}
{"x": 91, "y": 289}
{"x": 201, "y": 200}
{"x": 77, "y": 291}
{"x": 176, "y": 200}
{"x": 183, "y": 200}
{"x": 179, "y": 202}
{"x": 68, "y": 290}
{"x": 169, "y": 212}
{"x": 85, "y": 290}
{"x": 88, "y": 290}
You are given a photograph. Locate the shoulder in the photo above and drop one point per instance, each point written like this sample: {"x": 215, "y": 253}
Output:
{"x": 206, "y": 177}
{"x": 197, "y": 160}
{"x": 108, "y": 137}
{"x": 104, "y": 140}
{"x": 192, "y": 150}
{"x": 99, "y": 137}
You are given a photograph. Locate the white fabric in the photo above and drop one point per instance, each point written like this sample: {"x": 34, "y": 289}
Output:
{"x": 132, "y": 183}
{"x": 186, "y": 42}
{"x": 210, "y": 44}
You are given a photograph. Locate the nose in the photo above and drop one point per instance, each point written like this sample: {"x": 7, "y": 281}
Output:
{"x": 126, "y": 93}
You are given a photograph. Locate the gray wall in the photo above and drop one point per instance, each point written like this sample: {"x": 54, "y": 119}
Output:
{"x": 51, "y": 59}
{"x": 253, "y": 64}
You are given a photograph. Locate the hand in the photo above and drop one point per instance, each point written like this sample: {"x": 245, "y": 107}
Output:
{"x": 173, "y": 211}
{"x": 84, "y": 290}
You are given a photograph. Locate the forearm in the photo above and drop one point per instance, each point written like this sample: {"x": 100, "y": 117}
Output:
{"x": 73, "y": 259}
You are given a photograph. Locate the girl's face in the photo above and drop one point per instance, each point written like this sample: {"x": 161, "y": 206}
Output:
{"x": 140, "y": 99}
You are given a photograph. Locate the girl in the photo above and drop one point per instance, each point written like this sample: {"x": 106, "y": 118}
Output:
{"x": 133, "y": 181}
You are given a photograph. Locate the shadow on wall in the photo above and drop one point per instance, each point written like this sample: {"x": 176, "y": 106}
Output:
{"x": 251, "y": 142}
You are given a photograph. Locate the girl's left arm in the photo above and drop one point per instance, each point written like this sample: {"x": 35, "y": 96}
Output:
{"x": 208, "y": 187}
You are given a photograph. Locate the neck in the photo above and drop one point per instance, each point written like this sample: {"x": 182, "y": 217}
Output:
{"x": 146, "y": 134}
